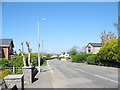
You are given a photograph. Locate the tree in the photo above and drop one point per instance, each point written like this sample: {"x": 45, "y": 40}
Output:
{"x": 34, "y": 58}
{"x": 83, "y": 50}
{"x": 107, "y": 36}
{"x": 73, "y": 51}
{"x": 22, "y": 53}
{"x": 118, "y": 26}
{"x": 109, "y": 52}
{"x": 48, "y": 56}
{"x": 63, "y": 53}
{"x": 29, "y": 52}
{"x": 17, "y": 61}
{"x": 4, "y": 62}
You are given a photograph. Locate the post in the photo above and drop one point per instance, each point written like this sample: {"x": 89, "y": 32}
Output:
{"x": 29, "y": 52}
{"x": 22, "y": 52}
{"x": 13, "y": 68}
{"x": 38, "y": 47}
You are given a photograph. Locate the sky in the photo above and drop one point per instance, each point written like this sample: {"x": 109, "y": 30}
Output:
{"x": 69, "y": 23}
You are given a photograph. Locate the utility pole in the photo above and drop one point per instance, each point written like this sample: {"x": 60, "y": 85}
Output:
{"x": 44, "y": 19}
{"x": 38, "y": 47}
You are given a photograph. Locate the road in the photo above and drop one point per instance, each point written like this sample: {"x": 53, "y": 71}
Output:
{"x": 75, "y": 75}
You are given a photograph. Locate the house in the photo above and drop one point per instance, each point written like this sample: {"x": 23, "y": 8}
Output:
{"x": 54, "y": 56}
{"x": 64, "y": 55}
{"x": 6, "y": 48}
{"x": 93, "y": 47}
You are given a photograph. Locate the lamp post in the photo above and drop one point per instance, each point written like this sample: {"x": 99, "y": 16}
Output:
{"x": 44, "y": 19}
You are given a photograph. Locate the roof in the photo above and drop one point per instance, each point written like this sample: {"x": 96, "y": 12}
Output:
{"x": 96, "y": 44}
{"x": 6, "y": 42}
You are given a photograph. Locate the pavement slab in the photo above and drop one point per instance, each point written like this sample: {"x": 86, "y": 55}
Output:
{"x": 43, "y": 79}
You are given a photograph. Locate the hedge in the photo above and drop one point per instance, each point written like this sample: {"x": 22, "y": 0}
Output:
{"x": 80, "y": 58}
{"x": 91, "y": 59}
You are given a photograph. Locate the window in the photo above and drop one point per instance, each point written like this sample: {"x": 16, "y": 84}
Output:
{"x": 89, "y": 49}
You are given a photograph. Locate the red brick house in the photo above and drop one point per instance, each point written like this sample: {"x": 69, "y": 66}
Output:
{"x": 6, "y": 48}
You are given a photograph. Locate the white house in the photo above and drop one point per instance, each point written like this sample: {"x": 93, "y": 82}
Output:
{"x": 64, "y": 55}
{"x": 54, "y": 56}
{"x": 93, "y": 47}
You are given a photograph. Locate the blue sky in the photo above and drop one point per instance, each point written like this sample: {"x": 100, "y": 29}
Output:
{"x": 69, "y": 23}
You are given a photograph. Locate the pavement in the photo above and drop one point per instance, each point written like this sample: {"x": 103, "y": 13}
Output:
{"x": 75, "y": 75}
{"x": 43, "y": 79}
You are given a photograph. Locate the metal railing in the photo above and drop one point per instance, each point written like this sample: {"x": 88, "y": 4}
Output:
{"x": 11, "y": 69}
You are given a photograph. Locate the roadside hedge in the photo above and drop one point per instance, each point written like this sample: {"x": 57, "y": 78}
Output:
{"x": 80, "y": 58}
{"x": 91, "y": 59}
{"x": 107, "y": 56}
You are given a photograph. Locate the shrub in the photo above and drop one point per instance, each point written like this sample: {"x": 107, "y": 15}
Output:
{"x": 48, "y": 57}
{"x": 4, "y": 62}
{"x": 109, "y": 53}
{"x": 34, "y": 57}
{"x": 3, "y": 74}
{"x": 91, "y": 59}
{"x": 80, "y": 58}
{"x": 17, "y": 61}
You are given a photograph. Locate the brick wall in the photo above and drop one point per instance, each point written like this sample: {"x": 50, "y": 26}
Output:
{"x": 5, "y": 53}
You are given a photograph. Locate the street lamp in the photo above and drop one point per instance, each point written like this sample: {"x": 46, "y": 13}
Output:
{"x": 44, "y": 19}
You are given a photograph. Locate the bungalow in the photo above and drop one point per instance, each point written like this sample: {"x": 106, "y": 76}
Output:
{"x": 54, "y": 56}
{"x": 93, "y": 47}
{"x": 64, "y": 55}
{"x": 6, "y": 48}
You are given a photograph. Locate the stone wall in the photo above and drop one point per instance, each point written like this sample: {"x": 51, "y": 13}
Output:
{"x": 13, "y": 81}
{"x": 29, "y": 74}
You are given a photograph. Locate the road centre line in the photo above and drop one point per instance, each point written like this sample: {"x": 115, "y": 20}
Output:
{"x": 106, "y": 78}
{"x": 97, "y": 75}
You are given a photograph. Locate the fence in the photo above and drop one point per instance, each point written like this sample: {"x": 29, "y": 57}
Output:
{"x": 12, "y": 69}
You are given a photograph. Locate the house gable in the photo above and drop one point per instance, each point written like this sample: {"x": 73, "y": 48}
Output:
{"x": 6, "y": 43}
{"x": 93, "y": 47}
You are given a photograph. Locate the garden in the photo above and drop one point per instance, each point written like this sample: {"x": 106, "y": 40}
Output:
{"x": 15, "y": 64}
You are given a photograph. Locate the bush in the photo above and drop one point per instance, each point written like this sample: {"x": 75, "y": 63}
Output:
{"x": 34, "y": 57}
{"x": 4, "y": 62}
{"x": 17, "y": 61}
{"x": 91, "y": 59}
{"x": 3, "y": 74}
{"x": 48, "y": 57}
{"x": 109, "y": 54}
{"x": 80, "y": 58}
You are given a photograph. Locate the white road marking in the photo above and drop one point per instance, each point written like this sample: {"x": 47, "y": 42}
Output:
{"x": 80, "y": 70}
{"x": 96, "y": 75}
{"x": 93, "y": 75}
{"x": 106, "y": 78}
